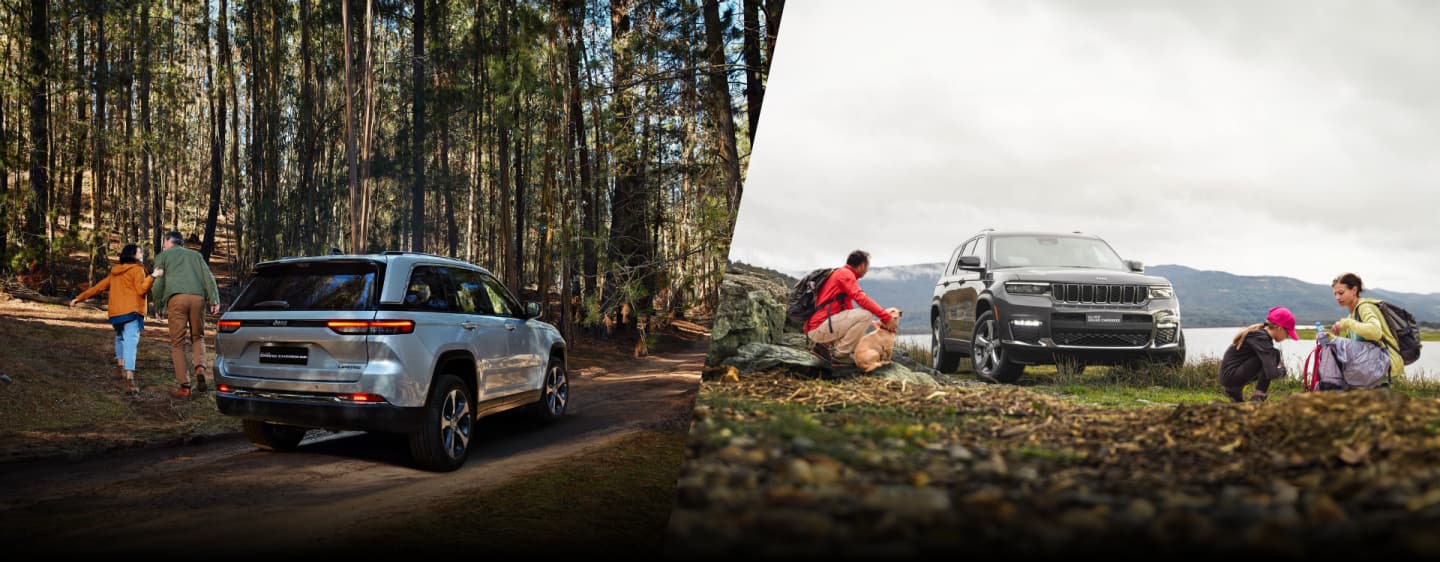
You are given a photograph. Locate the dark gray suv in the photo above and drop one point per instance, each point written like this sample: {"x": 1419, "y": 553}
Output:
{"x": 1011, "y": 299}
{"x": 400, "y": 342}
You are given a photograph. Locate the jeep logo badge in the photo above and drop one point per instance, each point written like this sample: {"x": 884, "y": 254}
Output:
{"x": 279, "y": 323}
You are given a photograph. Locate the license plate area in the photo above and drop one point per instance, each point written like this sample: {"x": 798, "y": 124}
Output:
{"x": 284, "y": 355}
{"x": 1103, "y": 318}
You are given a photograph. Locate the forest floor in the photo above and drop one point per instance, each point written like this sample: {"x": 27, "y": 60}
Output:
{"x": 88, "y": 470}
{"x": 783, "y": 465}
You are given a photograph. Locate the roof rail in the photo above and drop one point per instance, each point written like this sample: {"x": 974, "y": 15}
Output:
{"x": 410, "y": 253}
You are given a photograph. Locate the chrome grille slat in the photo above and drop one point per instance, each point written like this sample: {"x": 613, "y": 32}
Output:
{"x": 1092, "y": 293}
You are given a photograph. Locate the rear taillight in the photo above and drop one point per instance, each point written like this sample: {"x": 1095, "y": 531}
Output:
{"x": 371, "y": 327}
{"x": 224, "y": 388}
{"x": 227, "y": 326}
{"x": 363, "y": 398}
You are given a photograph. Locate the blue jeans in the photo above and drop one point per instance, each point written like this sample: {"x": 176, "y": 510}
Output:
{"x": 127, "y": 342}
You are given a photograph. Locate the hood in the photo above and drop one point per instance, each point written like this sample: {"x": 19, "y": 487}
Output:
{"x": 123, "y": 268}
{"x": 1083, "y": 275}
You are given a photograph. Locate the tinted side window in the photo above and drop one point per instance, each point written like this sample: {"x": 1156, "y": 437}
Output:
{"x": 429, "y": 290}
{"x": 312, "y": 286}
{"x": 952, "y": 269}
{"x": 470, "y": 294}
{"x": 966, "y": 249}
{"x": 504, "y": 304}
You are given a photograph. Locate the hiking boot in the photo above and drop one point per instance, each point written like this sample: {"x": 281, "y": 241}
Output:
{"x": 182, "y": 392}
{"x": 821, "y": 351}
{"x": 130, "y": 389}
{"x": 1257, "y": 397}
{"x": 200, "y": 385}
{"x": 843, "y": 359}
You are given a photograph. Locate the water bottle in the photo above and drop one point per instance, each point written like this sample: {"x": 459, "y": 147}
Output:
{"x": 1321, "y": 337}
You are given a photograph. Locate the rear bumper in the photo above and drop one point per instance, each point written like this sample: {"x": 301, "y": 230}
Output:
{"x": 314, "y": 414}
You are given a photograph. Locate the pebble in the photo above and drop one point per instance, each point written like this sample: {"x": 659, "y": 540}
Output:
{"x": 907, "y": 501}
{"x": 960, "y": 453}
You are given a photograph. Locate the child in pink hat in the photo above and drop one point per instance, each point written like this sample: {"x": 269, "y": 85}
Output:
{"x": 1252, "y": 357}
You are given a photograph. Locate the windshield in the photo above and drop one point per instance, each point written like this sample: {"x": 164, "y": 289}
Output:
{"x": 1053, "y": 251}
{"x": 312, "y": 286}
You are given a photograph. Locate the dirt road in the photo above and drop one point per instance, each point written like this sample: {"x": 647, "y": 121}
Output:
{"x": 225, "y": 498}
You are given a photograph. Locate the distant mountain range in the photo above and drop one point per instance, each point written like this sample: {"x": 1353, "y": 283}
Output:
{"x": 1208, "y": 299}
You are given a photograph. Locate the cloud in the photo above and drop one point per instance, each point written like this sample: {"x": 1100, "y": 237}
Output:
{"x": 1291, "y": 139}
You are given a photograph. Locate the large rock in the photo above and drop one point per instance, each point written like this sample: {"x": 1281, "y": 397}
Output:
{"x": 756, "y": 356}
{"x": 751, "y": 310}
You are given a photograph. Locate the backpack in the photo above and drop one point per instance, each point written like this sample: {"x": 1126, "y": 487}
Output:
{"x": 1402, "y": 325}
{"x": 802, "y": 296}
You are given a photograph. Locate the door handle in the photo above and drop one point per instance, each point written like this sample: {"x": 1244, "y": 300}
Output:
{"x": 510, "y": 327}
{"x": 468, "y": 325}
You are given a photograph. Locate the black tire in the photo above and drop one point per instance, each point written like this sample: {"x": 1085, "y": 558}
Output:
{"x": 941, "y": 360}
{"x": 1178, "y": 360}
{"x": 554, "y": 393}
{"x": 987, "y": 356}
{"x": 443, "y": 441}
{"x": 274, "y": 437}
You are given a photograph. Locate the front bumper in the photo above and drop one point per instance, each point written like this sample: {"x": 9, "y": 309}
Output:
{"x": 1041, "y": 332}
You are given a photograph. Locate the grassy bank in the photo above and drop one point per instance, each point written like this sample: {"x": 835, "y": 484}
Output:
{"x": 1151, "y": 384}
{"x": 65, "y": 397}
{"x": 789, "y": 466}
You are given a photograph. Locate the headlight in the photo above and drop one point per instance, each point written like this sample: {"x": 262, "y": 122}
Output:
{"x": 1023, "y": 288}
{"x": 1162, "y": 292}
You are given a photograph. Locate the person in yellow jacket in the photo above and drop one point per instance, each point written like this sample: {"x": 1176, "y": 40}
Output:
{"x": 128, "y": 285}
{"x": 1365, "y": 321}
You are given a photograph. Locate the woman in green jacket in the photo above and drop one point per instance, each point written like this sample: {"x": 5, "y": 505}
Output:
{"x": 1365, "y": 322}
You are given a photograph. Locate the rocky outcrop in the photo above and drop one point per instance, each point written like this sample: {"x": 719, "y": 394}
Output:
{"x": 751, "y": 310}
{"x": 753, "y": 357}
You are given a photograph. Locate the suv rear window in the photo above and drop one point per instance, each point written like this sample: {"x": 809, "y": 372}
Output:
{"x": 312, "y": 286}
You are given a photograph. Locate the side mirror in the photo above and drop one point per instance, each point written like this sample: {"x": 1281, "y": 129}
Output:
{"x": 1135, "y": 266}
{"x": 532, "y": 309}
{"x": 970, "y": 262}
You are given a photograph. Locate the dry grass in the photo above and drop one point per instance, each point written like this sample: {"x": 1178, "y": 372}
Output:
{"x": 66, "y": 397}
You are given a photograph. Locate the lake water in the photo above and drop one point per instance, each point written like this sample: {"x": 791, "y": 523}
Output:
{"x": 1211, "y": 342}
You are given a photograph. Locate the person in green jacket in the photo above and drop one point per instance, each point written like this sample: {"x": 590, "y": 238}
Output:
{"x": 183, "y": 286}
{"x": 1365, "y": 322}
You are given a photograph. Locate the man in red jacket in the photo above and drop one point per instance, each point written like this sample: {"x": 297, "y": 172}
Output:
{"x": 838, "y": 324}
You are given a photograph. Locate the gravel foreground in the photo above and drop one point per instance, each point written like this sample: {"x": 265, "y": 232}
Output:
{"x": 781, "y": 466}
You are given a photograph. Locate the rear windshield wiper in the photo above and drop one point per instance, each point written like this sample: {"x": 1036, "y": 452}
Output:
{"x": 272, "y": 304}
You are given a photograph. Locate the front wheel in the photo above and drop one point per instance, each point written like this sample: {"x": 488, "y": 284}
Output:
{"x": 987, "y": 355}
{"x": 273, "y": 437}
{"x": 443, "y": 441}
{"x": 941, "y": 360}
{"x": 554, "y": 395}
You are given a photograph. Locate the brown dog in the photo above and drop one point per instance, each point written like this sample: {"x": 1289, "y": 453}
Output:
{"x": 875, "y": 349}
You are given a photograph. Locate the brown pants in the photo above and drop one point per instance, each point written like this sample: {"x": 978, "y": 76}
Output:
{"x": 844, "y": 328}
{"x": 186, "y": 316}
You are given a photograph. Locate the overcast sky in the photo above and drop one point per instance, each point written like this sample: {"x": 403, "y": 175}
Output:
{"x": 1260, "y": 138}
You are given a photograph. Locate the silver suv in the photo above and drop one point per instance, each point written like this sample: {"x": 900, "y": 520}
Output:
{"x": 398, "y": 342}
{"x": 1011, "y": 299}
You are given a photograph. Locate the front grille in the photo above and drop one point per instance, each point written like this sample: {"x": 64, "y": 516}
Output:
{"x": 1087, "y": 293}
{"x": 1101, "y": 339}
{"x": 1165, "y": 335}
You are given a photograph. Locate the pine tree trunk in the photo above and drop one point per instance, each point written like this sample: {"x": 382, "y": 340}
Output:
{"x": 77, "y": 182}
{"x": 417, "y": 170}
{"x": 217, "y": 151}
{"x": 146, "y": 154}
{"x": 101, "y": 81}
{"x": 39, "y": 135}
{"x": 754, "y": 84}
{"x": 721, "y": 113}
